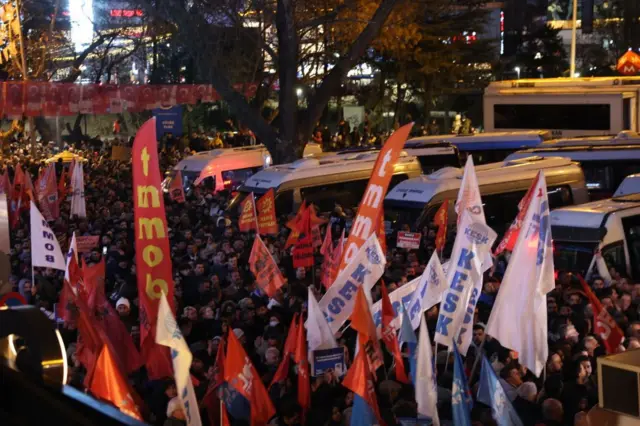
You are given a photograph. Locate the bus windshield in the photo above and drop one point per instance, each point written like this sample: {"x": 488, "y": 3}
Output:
{"x": 573, "y": 256}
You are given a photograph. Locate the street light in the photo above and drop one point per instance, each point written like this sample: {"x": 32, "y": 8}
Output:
{"x": 517, "y": 70}
{"x": 299, "y": 92}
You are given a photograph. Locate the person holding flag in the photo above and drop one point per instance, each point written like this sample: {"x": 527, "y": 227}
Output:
{"x": 491, "y": 393}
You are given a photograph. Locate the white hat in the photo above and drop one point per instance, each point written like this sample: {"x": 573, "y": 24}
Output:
{"x": 123, "y": 301}
{"x": 173, "y": 405}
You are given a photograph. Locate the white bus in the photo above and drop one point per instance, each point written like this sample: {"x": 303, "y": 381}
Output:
{"x": 485, "y": 147}
{"x": 566, "y": 107}
{"x": 606, "y": 161}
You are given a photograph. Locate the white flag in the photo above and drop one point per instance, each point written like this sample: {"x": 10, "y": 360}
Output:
{"x": 319, "y": 334}
{"x": 469, "y": 195}
{"x": 473, "y": 242}
{"x": 168, "y": 334}
{"x": 72, "y": 252}
{"x": 78, "y": 206}
{"x": 519, "y": 315}
{"x": 426, "y": 385}
{"x": 45, "y": 249}
{"x": 399, "y": 297}
{"x": 429, "y": 290}
{"x": 366, "y": 268}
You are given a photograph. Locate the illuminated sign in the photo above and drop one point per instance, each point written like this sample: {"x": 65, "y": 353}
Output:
{"x": 502, "y": 32}
{"x": 126, "y": 13}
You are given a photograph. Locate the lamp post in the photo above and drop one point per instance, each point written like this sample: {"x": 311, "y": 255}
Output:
{"x": 517, "y": 70}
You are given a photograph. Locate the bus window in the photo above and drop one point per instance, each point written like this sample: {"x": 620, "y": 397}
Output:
{"x": 552, "y": 117}
{"x": 325, "y": 197}
{"x": 501, "y": 209}
{"x": 599, "y": 180}
{"x": 431, "y": 163}
{"x": 613, "y": 255}
{"x": 284, "y": 202}
{"x": 559, "y": 196}
{"x": 232, "y": 179}
{"x": 631, "y": 227}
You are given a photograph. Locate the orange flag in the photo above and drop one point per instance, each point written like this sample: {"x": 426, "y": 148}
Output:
{"x": 295, "y": 225}
{"x": 153, "y": 254}
{"x": 19, "y": 196}
{"x": 267, "y": 222}
{"x": 440, "y": 220}
{"x": 62, "y": 185}
{"x": 241, "y": 375}
{"x": 108, "y": 383}
{"x": 289, "y": 347}
{"x": 604, "y": 325}
{"x": 359, "y": 380}
{"x": 362, "y": 322}
{"x": 264, "y": 268}
{"x": 176, "y": 189}
{"x": 48, "y": 193}
{"x": 300, "y": 357}
{"x": 370, "y": 207}
{"x": 248, "y": 220}
{"x": 327, "y": 245}
{"x": 389, "y": 335}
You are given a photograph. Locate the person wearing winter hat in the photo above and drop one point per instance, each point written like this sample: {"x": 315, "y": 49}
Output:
{"x": 175, "y": 413}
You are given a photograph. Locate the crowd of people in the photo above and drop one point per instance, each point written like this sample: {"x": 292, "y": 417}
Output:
{"x": 216, "y": 294}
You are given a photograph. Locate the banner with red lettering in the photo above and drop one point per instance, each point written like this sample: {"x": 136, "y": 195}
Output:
{"x": 264, "y": 268}
{"x": 370, "y": 208}
{"x": 303, "y": 252}
{"x": 153, "y": 255}
{"x": 248, "y": 219}
{"x": 267, "y": 222}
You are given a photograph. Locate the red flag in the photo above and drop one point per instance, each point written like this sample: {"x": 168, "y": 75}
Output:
{"x": 327, "y": 245}
{"x": 267, "y": 222}
{"x": 303, "y": 253}
{"x": 211, "y": 400}
{"x": 359, "y": 380}
{"x": 295, "y": 224}
{"x": 289, "y": 348}
{"x": 48, "y": 194}
{"x": 62, "y": 185}
{"x": 440, "y": 220}
{"x": 108, "y": 383}
{"x": 300, "y": 357}
{"x": 604, "y": 325}
{"x": 247, "y": 220}
{"x": 314, "y": 227}
{"x": 370, "y": 207}
{"x": 240, "y": 374}
{"x": 19, "y": 197}
{"x": 106, "y": 315}
{"x": 389, "y": 335}
{"x": 511, "y": 236}
{"x": 153, "y": 255}
{"x": 332, "y": 270}
{"x": 362, "y": 322}
{"x": 5, "y": 185}
{"x": 176, "y": 189}
{"x": 264, "y": 268}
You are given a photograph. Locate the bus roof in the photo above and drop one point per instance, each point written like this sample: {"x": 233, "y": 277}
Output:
{"x": 484, "y": 141}
{"x": 593, "y": 214}
{"x": 198, "y": 161}
{"x": 330, "y": 164}
{"x": 590, "y": 83}
{"x": 422, "y": 189}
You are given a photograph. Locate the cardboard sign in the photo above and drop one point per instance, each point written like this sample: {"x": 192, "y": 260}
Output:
{"x": 120, "y": 153}
{"x": 408, "y": 240}
{"x": 85, "y": 244}
{"x": 329, "y": 360}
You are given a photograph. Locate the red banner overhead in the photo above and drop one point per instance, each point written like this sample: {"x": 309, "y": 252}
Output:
{"x": 33, "y": 99}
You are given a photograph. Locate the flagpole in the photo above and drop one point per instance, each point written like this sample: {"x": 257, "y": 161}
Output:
{"x": 478, "y": 356}
{"x": 446, "y": 364}
{"x": 255, "y": 213}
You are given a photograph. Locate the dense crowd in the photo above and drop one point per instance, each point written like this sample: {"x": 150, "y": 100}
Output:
{"x": 216, "y": 294}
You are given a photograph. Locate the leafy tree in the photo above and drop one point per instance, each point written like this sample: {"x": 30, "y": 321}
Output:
{"x": 541, "y": 53}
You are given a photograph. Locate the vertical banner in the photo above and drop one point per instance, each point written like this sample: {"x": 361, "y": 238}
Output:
{"x": 267, "y": 222}
{"x": 153, "y": 261}
{"x": 264, "y": 268}
{"x": 366, "y": 222}
{"x": 168, "y": 120}
{"x": 5, "y": 260}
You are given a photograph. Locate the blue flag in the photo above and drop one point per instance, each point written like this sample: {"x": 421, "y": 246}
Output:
{"x": 362, "y": 414}
{"x": 492, "y": 393}
{"x": 408, "y": 335}
{"x": 461, "y": 399}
